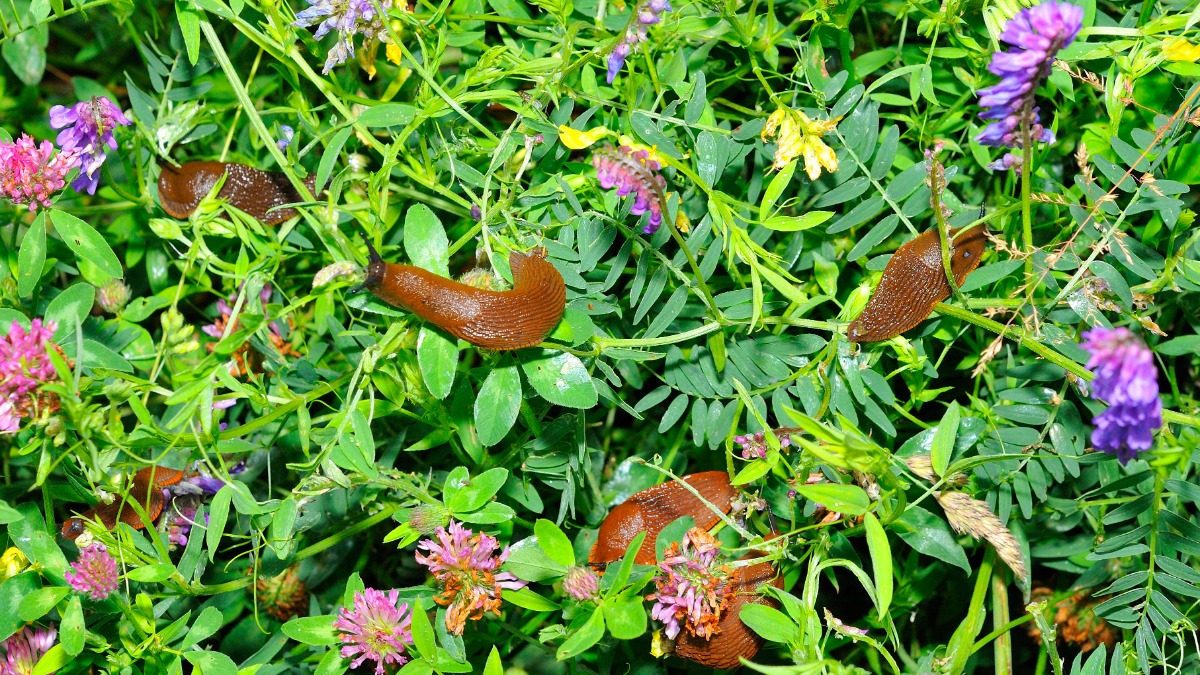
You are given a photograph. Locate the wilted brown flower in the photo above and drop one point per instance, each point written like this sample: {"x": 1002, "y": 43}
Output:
{"x": 284, "y": 596}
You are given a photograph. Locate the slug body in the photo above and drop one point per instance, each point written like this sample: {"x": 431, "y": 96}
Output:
{"x": 653, "y": 509}
{"x": 500, "y": 320}
{"x": 147, "y": 490}
{"x": 733, "y": 639}
{"x": 180, "y": 189}
{"x": 914, "y": 281}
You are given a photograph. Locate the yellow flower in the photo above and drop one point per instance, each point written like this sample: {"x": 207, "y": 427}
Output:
{"x": 798, "y": 136}
{"x": 652, "y": 153}
{"x": 394, "y": 54}
{"x": 578, "y": 140}
{"x": 1178, "y": 49}
{"x": 12, "y": 563}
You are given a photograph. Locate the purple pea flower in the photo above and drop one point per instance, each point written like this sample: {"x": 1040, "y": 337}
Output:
{"x": 1127, "y": 380}
{"x": 348, "y": 18}
{"x": 377, "y": 629}
{"x": 286, "y": 134}
{"x": 647, "y": 13}
{"x": 1036, "y": 35}
{"x": 87, "y": 127}
{"x": 633, "y": 172}
{"x": 95, "y": 573}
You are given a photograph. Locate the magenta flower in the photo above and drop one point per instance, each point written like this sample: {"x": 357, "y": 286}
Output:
{"x": 24, "y": 366}
{"x": 754, "y": 446}
{"x": 465, "y": 564}
{"x": 95, "y": 573}
{"x": 692, "y": 588}
{"x": 23, "y": 649}
{"x": 1127, "y": 380}
{"x": 376, "y": 630}
{"x": 30, "y": 173}
{"x": 581, "y": 583}
{"x": 349, "y": 18}
{"x": 633, "y": 172}
{"x": 648, "y": 13}
{"x": 87, "y": 127}
{"x": 1036, "y": 35}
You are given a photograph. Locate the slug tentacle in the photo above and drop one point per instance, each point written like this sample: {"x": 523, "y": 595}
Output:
{"x": 180, "y": 189}
{"x": 500, "y": 320}
{"x": 914, "y": 281}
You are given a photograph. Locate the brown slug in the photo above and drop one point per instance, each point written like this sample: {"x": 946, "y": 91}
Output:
{"x": 500, "y": 320}
{"x": 151, "y": 499}
{"x": 653, "y": 509}
{"x": 256, "y": 192}
{"x": 914, "y": 281}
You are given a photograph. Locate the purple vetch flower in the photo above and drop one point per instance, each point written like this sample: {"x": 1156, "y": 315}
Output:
{"x": 1036, "y": 35}
{"x": 87, "y": 127}
{"x": 30, "y": 173}
{"x": 23, "y": 649}
{"x": 1128, "y": 382}
{"x": 95, "y": 573}
{"x": 633, "y": 172}
{"x": 692, "y": 588}
{"x": 465, "y": 564}
{"x": 581, "y": 583}
{"x": 348, "y": 18}
{"x": 286, "y": 134}
{"x": 646, "y": 14}
{"x": 377, "y": 629}
{"x": 24, "y": 366}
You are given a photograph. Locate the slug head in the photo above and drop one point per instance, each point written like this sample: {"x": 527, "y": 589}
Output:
{"x": 72, "y": 528}
{"x": 376, "y": 269}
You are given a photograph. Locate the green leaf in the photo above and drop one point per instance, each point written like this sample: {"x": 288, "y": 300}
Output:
{"x": 583, "y": 639}
{"x": 425, "y": 240}
{"x": 152, "y": 573}
{"x": 881, "y": 561}
{"x": 312, "y": 630}
{"x": 930, "y": 535}
{"x": 848, "y": 499}
{"x": 752, "y": 472}
{"x": 527, "y": 599}
{"x": 70, "y": 308}
{"x": 189, "y": 27}
{"x": 422, "y": 632}
{"x": 437, "y": 356}
{"x": 388, "y": 115}
{"x": 769, "y": 623}
{"x": 53, "y": 660}
{"x": 211, "y": 663}
{"x": 477, "y": 491}
{"x": 205, "y": 626}
{"x": 25, "y": 53}
{"x": 71, "y": 628}
{"x": 530, "y": 562}
{"x": 12, "y": 592}
{"x": 775, "y": 189}
{"x": 626, "y": 619}
{"x": 330, "y": 157}
{"x": 32, "y": 256}
{"x": 556, "y": 544}
{"x": 797, "y": 223}
{"x": 493, "y": 665}
{"x": 35, "y": 605}
{"x": 498, "y": 404}
{"x": 218, "y": 515}
{"x": 943, "y": 440}
{"x": 86, "y": 242}
{"x": 560, "y": 378}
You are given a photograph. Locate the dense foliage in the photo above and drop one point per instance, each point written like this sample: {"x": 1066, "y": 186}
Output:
{"x": 279, "y": 472}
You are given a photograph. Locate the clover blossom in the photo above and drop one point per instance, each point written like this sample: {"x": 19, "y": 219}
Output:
{"x": 23, "y": 650}
{"x": 243, "y": 360}
{"x": 692, "y": 589}
{"x": 377, "y": 629}
{"x": 349, "y": 18}
{"x": 95, "y": 573}
{"x": 87, "y": 127}
{"x": 31, "y": 172}
{"x": 633, "y": 171}
{"x": 1036, "y": 35}
{"x": 24, "y": 366}
{"x": 581, "y": 583}
{"x": 647, "y": 14}
{"x": 1127, "y": 380}
{"x": 465, "y": 564}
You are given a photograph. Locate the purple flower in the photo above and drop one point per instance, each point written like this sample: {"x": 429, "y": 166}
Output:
{"x": 183, "y": 500}
{"x": 633, "y": 172}
{"x": 1036, "y": 35}
{"x": 1127, "y": 380}
{"x": 286, "y": 134}
{"x": 24, "y": 366}
{"x": 464, "y": 564}
{"x": 754, "y": 446}
{"x": 25, "y": 648}
{"x": 647, "y": 14}
{"x": 30, "y": 173}
{"x": 692, "y": 588}
{"x": 581, "y": 583}
{"x": 377, "y": 629}
{"x": 87, "y": 127}
{"x": 348, "y": 18}
{"x": 95, "y": 573}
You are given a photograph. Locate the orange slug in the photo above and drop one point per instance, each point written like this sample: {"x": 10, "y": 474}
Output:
{"x": 653, "y": 509}
{"x": 180, "y": 189}
{"x": 151, "y": 499}
{"x": 733, "y": 638}
{"x": 914, "y": 281}
{"x": 500, "y": 320}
